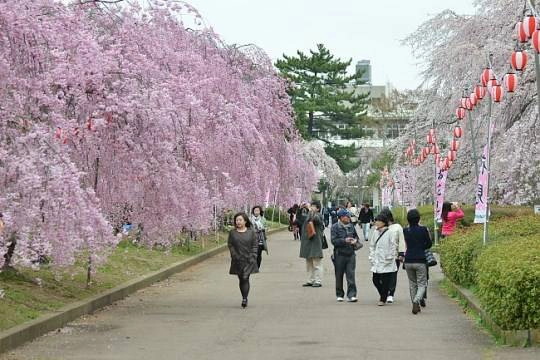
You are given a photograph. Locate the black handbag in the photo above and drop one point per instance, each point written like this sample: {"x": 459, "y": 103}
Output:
{"x": 430, "y": 258}
{"x": 324, "y": 242}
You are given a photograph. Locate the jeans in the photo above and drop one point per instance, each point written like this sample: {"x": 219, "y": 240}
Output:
{"x": 314, "y": 268}
{"x": 365, "y": 230}
{"x": 417, "y": 274}
{"x": 393, "y": 280}
{"x": 345, "y": 265}
{"x": 382, "y": 283}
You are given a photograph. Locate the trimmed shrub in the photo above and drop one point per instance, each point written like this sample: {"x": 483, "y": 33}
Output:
{"x": 509, "y": 282}
{"x": 273, "y": 213}
{"x": 458, "y": 255}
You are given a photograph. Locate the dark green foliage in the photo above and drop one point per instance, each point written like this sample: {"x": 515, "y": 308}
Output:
{"x": 505, "y": 274}
{"x": 274, "y": 214}
{"x": 321, "y": 100}
{"x": 508, "y": 278}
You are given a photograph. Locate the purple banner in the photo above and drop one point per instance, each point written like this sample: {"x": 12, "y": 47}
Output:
{"x": 482, "y": 190}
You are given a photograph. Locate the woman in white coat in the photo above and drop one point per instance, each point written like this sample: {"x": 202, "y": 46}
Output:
{"x": 382, "y": 256}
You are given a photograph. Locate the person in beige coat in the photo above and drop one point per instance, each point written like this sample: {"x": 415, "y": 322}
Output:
{"x": 382, "y": 257}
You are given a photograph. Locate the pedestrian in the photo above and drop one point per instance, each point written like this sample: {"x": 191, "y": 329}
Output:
{"x": 345, "y": 240}
{"x": 451, "y": 213}
{"x": 292, "y": 213}
{"x": 382, "y": 256}
{"x": 259, "y": 226}
{"x": 311, "y": 246}
{"x": 326, "y": 216}
{"x": 417, "y": 240}
{"x": 354, "y": 213}
{"x": 396, "y": 232}
{"x": 333, "y": 215}
{"x": 366, "y": 219}
{"x": 243, "y": 246}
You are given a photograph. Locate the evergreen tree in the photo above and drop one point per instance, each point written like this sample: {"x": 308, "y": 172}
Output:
{"x": 322, "y": 101}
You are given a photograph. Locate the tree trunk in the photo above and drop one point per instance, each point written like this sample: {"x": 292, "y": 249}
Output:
{"x": 10, "y": 250}
{"x": 310, "y": 124}
{"x": 89, "y": 265}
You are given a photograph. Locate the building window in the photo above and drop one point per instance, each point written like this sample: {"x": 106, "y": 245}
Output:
{"x": 392, "y": 131}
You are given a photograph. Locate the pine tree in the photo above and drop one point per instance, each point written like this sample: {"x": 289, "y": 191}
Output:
{"x": 322, "y": 99}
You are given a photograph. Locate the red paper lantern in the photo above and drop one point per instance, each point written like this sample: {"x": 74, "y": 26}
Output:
{"x": 468, "y": 104}
{"x": 510, "y": 82}
{"x": 437, "y": 159}
{"x": 463, "y": 102}
{"x": 460, "y": 113}
{"x": 458, "y": 132}
{"x": 487, "y": 74}
{"x": 432, "y": 132}
{"x": 429, "y": 139}
{"x": 491, "y": 83}
{"x": 454, "y": 145}
{"x": 519, "y": 60}
{"x": 446, "y": 163}
{"x": 497, "y": 93}
{"x": 520, "y": 32}
{"x": 452, "y": 155}
{"x": 536, "y": 41}
{"x": 529, "y": 25}
{"x": 473, "y": 98}
{"x": 425, "y": 152}
{"x": 480, "y": 91}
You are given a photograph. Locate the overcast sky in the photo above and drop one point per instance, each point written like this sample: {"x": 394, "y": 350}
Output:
{"x": 357, "y": 29}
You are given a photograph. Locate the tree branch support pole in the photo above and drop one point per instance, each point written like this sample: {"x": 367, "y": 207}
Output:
{"x": 89, "y": 265}
{"x": 473, "y": 145}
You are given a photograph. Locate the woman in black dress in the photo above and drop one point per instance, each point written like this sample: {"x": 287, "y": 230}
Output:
{"x": 243, "y": 246}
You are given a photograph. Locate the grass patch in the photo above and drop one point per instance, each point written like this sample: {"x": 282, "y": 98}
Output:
{"x": 30, "y": 293}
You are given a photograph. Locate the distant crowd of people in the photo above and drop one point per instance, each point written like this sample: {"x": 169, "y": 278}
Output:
{"x": 389, "y": 247}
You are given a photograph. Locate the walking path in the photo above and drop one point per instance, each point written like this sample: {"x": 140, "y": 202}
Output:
{"x": 196, "y": 315}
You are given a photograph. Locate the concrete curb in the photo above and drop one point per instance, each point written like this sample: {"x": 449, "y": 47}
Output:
{"x": 18, "y": 335}
{"x": 511, "y": 337}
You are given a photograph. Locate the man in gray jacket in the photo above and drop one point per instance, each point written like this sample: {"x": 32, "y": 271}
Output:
{"x": 345, "y": 241}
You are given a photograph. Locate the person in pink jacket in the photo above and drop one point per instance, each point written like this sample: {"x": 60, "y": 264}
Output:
{"x": 451, "y": 213}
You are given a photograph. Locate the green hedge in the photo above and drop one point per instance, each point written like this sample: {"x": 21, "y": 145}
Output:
{"x": 504, "y": 274}
{"x": 275, "y": 213}
{"x": 509, "y": 282}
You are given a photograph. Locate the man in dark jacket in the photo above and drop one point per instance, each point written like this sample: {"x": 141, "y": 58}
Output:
{"x": 344, "y": 238}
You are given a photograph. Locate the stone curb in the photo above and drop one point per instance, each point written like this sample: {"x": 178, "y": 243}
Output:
{"x": 511, "y": 337}
{"x": 18, "y": 335}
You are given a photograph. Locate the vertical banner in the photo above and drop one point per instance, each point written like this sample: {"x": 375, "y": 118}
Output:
{"x": 440, "y": 187}
{"x": 480, "y": 212}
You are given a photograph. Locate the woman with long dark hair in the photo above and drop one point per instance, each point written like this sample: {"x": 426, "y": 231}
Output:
{"x": 243, "y": 246}
{"x": 451, "y": 213}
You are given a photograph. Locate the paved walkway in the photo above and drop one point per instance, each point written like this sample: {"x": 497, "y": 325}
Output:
{"x": 197, "y": 315}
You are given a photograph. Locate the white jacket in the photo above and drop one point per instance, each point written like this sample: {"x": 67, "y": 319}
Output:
{"x": 382, "y": 251}
{"x": 397, "y": 234}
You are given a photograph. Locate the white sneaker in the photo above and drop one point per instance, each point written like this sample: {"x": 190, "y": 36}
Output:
{"x": 339, "y": 299}
{"x": 389, "y": 299}
{"x": 352, "y": 299}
